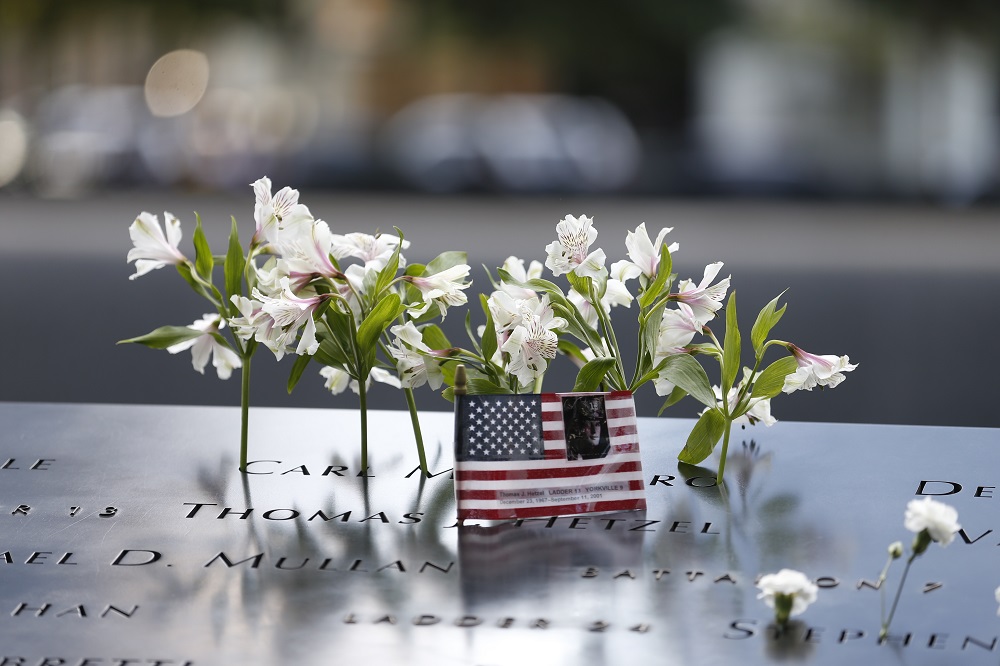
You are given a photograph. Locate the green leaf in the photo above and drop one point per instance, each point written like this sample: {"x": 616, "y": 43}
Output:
{"x": 446, "y": 260}
{"x": 655, "y": 290}
{"x": 684, "y": 371}
{"x": 766, "y": 319}
{"x": 581, "y": 283}
{"x": 330, "y": 353}
{"x": 770, "y": 382}
{"x": 203, "y": 260}
{"x": 185, "y": 271}
{"x": 731, "y": 347}
{"x": 368, "y": 283}
{"x": 449, "y": 394}
{"x": 449, "y": 366}
{"x": 165, "y": 336}
{"x": 234, "y": 265}
{"x": 388, "y": 272}
{"x": 472, "y": 336}
{"x": 486, "y": 387}
{"x": 649, "y": 331}
{"x": 435, "y": 338}
{"x": 297, "y": 369}
{"x": 383, "y": 314}
{"x": 675, "y": 396}
{"x": 337, "y": 347}
{"x": 648, "y": 375}
{"x": 489, "y": 342}
{"x": 573, "y": 351}
{"x": 592, "y": 374}
{"x": 704, "y": 436}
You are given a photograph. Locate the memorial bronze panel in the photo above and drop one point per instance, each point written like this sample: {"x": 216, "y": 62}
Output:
{"x": 129, "y": 537}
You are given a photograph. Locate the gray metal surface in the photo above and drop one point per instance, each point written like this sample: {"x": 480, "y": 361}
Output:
{"x": 330, "y": 567}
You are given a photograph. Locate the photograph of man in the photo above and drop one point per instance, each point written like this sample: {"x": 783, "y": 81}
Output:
{"x": 586, "y": 424}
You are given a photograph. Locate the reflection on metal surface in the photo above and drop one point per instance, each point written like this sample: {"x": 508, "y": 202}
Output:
{"x": 129, "y": 534}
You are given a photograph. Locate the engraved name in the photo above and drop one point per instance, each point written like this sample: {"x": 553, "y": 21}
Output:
{"x": 90, "y": 661}
{"x": 47, "y": 609}
{"x": 804, "y": 635}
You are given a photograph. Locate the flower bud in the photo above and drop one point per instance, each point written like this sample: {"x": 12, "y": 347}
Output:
{"x": 896, "y": 550}
{"x": 921, "y": 541}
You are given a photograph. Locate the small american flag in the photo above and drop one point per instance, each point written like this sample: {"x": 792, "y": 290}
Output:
{"x": 554, "y": 454}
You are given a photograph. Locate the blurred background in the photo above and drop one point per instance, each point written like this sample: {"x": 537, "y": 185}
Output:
{"x": 845, "y": 149}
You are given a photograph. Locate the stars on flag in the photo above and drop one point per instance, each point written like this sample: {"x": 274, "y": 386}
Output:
{"x": 502, "y": 428}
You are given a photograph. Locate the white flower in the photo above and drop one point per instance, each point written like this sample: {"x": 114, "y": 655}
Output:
{"x": 532, "y": 342}
{"x": 759, "y": 412}
{"x": 939, "y": 519}
{"x": 825, "y": 371}
{"x": 705, "y": 299}
{"x": 290, "y": 313}
{"x": 337, "y": 380}
{"x": 152, "y": 248}
{"x": 414, "y": 368}
{"x": 515, "y": 267}
{"x": 375, "y": 251}
{"x": 677, "y": 329}
{"x": 571, "y": 252}
{"x": 506, "y": 311}
{"x": 246, "y": 326}
{"x": 616, "y": 293}
{"x": 273, "y": 213}
{"x": 443, "y": 289}
{"x": 305, "y": 250}
{"x": 205, "y": 345}
{"x": 775, "y": 590}
{"x": 644, "y": 254}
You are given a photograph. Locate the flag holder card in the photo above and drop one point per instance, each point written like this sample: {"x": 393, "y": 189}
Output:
{"x": 549, "y": 454}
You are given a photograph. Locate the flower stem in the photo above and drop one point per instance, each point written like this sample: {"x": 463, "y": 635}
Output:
{"x": 725, "y": 451}
{"x": 610, "y": 332}
{"x": 364, "y": 427}
{"x": 244, "y": 409}
{"x": 895, "y": 602}
{"x": 412, "y": 404}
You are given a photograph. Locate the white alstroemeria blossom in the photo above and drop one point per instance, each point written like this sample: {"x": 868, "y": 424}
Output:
{"x": 532, "y": 342}
{"x": 505, "y": 310}
{"x": 759, "y": 412}
{"x": 443, "y": 289}
{"x": 509, "y": 313}
{"x": 414, "y": 368}
{"x": 252, "y": 320}
{"x": 616, "y": 293}
{"x": 206, "y": 345}
{"x": 338, "y": 380}
{"x": 374, "y": 251}
{"x": 515, "y": 267}
{"x": 571, "y": 251}
{"x": 677, "y": 328}
{"x": 824, "y": 371}
{"x": 154, "y": 249}
{"x": 305, "y": 251}
{"x": 705, "y": 298}
{"x": 776, "y": 589}
{"x": 290, "y": 312}
{"x": 272, "y": 213}
{"x": 643, "y": 253}
{"x": 939, "y": 519}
